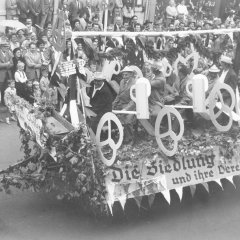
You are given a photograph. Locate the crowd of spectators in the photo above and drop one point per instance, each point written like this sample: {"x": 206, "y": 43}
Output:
{"x": 27, "y": 55}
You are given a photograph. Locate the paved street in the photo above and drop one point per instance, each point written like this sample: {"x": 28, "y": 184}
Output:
{"x": 37, "y": 216}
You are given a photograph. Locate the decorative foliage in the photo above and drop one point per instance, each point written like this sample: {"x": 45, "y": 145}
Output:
{"x": 73, "y": 173}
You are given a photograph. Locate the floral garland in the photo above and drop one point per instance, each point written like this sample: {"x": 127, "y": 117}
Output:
{"x": 74, "y": 173}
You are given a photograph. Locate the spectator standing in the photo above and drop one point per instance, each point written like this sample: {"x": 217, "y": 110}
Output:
{"x": 17, "y": 57}
{"x": 20, "y": 78}
{"x": 171, "y": 12}
{"x": 46, "y": 12}
{"x": 14, "y": 43}
{"x": 23, "y": 10}
{"x": 34, "y": 10}
{"x": 11, "y": 9}
{"x": 75, "y": 8}
{"x": 29, "y": 26}
{"x": 9, "y": 94}
{"x": 5, "y": 66}
{"x": 182, "y": 9}
{"x": 33, "y": 62}
{"x": 118, "y": 23}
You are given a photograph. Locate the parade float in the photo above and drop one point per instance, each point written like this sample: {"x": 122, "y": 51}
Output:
{"x": 64, "y": 156}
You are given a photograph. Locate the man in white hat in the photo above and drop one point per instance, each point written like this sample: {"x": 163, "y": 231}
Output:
{"x": 228, "y": 75}
{"x": 212, "y": 75}
{"x": 123, "y": 101}
{"x": 101, "y": 97}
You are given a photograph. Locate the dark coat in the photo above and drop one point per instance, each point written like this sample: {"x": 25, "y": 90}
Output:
{"x": 74, "y": 10}
{"x": 136, "y": 60}
{"x": 34, "y": 7}
{"x": 231, "y": 79}
{"x": 102, "y": 100}
{"x": 23, "y": 8}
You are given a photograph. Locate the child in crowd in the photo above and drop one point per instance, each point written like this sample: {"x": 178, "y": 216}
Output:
{"x": 9, "y": 95}
{"x": 20, "y": 78}
{"x": 44, "y": 83}
{"x": 28, "y": 92}
{"x": 36, "y": 92}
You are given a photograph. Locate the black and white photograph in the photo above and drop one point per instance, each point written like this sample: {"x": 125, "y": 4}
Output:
{"x": 119, "y": 119}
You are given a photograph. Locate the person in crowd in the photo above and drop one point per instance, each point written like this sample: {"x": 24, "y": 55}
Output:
{"x": 68, "y": 53}
{"x": 80, "y": 53}
{"x": 17, "y": 57}
{"x": 117, "y": 24}
{"x": 95, "y": 20}
{"x": 9, "y": 95}
{"x": 44, "y": 83}
{"x": 157, "y": 80}
{"x": 228, "y": 76}
{"x": 101, "y": 98}
{"x": 212, "y": 74}
{"x": 33, "y": 62}
{"x": 28, "y": 92}
{"x": 171, "y": 12}
{"x": 88, "y": 10}
{"x": 75, "y": 9}
{"x": 46, "y": 12}
{"x": 138, "y": 27}
{"x": 182, "y": 9}
{"x": 35, "y": 8}
{"x": 20, "y": 79}
{"x": 14, "y": 43}
{"x": 23, "y": 10}
{"x": 128, "y": 12}
{"x": 11, "y": 9}
{"x": 30, "y": 27}
{"x": 124, "y": 102}
{"x": 6, "y": 65}
{"x": 36, "y": 92}
{"x": 20, "y": 36}
{"x": 77, "y": 26}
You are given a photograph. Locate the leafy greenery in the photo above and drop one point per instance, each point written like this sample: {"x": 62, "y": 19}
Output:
{"x": 73, "y": 173}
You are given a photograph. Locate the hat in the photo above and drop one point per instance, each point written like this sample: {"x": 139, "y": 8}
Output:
{"x": 35, "y": 83}
{"x": 214, "y": 69}
{"x": 127, "y": 69}
{"x": 99, "y": 76}
{"x": 226, "y": 59}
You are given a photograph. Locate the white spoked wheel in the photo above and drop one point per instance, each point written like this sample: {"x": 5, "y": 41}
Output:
{"x": 169, "y": 112}
{"x": 109, "y": 117}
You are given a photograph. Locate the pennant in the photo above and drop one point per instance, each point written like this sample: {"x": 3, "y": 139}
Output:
{"x": 230, "y": 179}
{"x": 123, "y": 199}
{"x": 193, "y": 189}
{"x": 138, "y": 201}
{"x": 151, "y": 199}
{"x": 179, "y": 192}
{"x": 218, "y": 181}
{"x": 205, "y": 185}
{"x": 167, "y": 196}
{"x": 110, "y": 207}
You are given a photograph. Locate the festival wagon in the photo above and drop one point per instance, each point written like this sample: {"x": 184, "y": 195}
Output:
{"x": 67, "y": 158}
